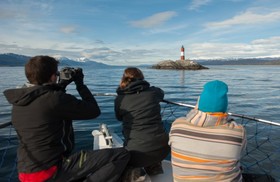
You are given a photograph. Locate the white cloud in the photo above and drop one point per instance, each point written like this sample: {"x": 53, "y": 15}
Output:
{"x": 206, "y": 50}
{"x": 68, "y": 29}
{"x": 258, "y": 48}
{"x": 26, "y": 9}
{"x": 171, "y": 29}
{"x": 269, "y": 41}
{"x": 154, "y": 20}
{"x": 39, "y": 28}
{"x": 6, "y": 14}
{"x": 247, "y": 18}
{"x": 195, "y": 4}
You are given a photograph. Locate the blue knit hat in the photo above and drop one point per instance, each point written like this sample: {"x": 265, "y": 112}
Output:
{"x": 214, "y": 97}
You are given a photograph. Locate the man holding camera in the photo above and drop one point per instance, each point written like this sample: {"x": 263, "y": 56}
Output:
{"x": 42, "y": 115}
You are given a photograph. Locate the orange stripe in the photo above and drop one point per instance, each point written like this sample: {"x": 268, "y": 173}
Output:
{"x": 195, "y": 159}
{"x": 221, "y": 114}
{"x": 213, "y": 167}
{"x": 183, "y": 157}
{"x": 219, "y": 121}
{"x": 190, "y": 177}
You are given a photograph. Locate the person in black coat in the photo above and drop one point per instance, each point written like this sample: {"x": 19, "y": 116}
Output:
{"x": 42, "y": 115}
{"x": 137, "y": 105}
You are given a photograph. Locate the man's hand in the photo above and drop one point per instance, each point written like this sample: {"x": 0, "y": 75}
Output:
{"x": 64, "y": 83}
{"x": 79, "y": 77}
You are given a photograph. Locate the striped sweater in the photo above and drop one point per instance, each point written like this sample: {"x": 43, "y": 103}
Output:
{"x": 206, "y": 147}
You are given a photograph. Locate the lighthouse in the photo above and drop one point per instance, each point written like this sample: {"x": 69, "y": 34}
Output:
{"x": 182, "y": 53}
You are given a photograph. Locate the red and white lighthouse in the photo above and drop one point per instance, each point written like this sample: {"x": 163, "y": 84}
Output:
{"x": 182, "y": 53}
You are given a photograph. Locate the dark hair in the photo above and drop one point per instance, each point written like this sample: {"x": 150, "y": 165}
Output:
{"x": 39, "y": 69}
{"x": 131, "y": 74}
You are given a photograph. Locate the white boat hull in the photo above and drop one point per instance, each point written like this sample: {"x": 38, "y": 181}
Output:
{"x": 104, "y": 139}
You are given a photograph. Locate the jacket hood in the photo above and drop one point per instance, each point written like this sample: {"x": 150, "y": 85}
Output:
{"x": 204, "y": 119}
{"x": 134, "y": 87}
{"x": 25, "y": 95}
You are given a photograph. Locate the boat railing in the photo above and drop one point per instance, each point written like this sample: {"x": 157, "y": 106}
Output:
{"x": 262, "y": 154}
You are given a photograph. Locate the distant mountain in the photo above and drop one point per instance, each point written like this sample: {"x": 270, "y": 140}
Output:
{"x": 241, "y": 61}
{"x": 63, "y": 61}
{"x": 11, "y": 59}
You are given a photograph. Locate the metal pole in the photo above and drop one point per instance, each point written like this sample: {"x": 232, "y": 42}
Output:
{"x": 3, "y": 125}
{"x": 232, "y": 114}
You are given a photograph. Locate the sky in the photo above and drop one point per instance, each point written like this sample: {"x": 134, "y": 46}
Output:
{"x": 135, "y": 32}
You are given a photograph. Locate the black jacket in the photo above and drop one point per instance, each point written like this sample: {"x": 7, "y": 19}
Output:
{"x": 138, "y": 107}
{"x": 42, "y": 117}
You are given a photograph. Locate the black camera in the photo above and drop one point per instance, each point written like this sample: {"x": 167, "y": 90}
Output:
{"x": 67, "y": 73}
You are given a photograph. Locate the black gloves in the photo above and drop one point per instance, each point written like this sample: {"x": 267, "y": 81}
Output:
{"x": 78, "y": 77}
{"x": 67, "y": 75}
{"x": 64, "y": 83}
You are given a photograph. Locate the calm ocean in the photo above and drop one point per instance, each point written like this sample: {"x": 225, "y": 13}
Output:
{"x": 253, "y": 91}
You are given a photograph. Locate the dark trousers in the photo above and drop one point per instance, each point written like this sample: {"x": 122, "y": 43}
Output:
{"x": 106, "y": 165}
{"x": 145, "y": 159}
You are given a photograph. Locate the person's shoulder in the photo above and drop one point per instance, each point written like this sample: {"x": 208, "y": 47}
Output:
{"x": 179, "y": 121}
{"x": 232, "y": 124}
{"x": 157, "y": 89}
{"x": 55, "y": 91}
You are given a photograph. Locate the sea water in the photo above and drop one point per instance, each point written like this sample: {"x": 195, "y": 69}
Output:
{"x": 253, "y": 90}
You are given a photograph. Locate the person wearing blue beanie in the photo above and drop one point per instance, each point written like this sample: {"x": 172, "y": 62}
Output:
{"x": 207, "y": 144}
{"x": 214, "y": 97}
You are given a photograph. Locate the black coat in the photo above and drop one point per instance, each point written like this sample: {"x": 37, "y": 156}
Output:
{"x": 42, "y": 117}
{"x": 138, "y": 107}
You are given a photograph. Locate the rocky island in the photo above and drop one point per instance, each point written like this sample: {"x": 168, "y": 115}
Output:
{"x": 179, "y": 65}
{"x": 182, "y": 64}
